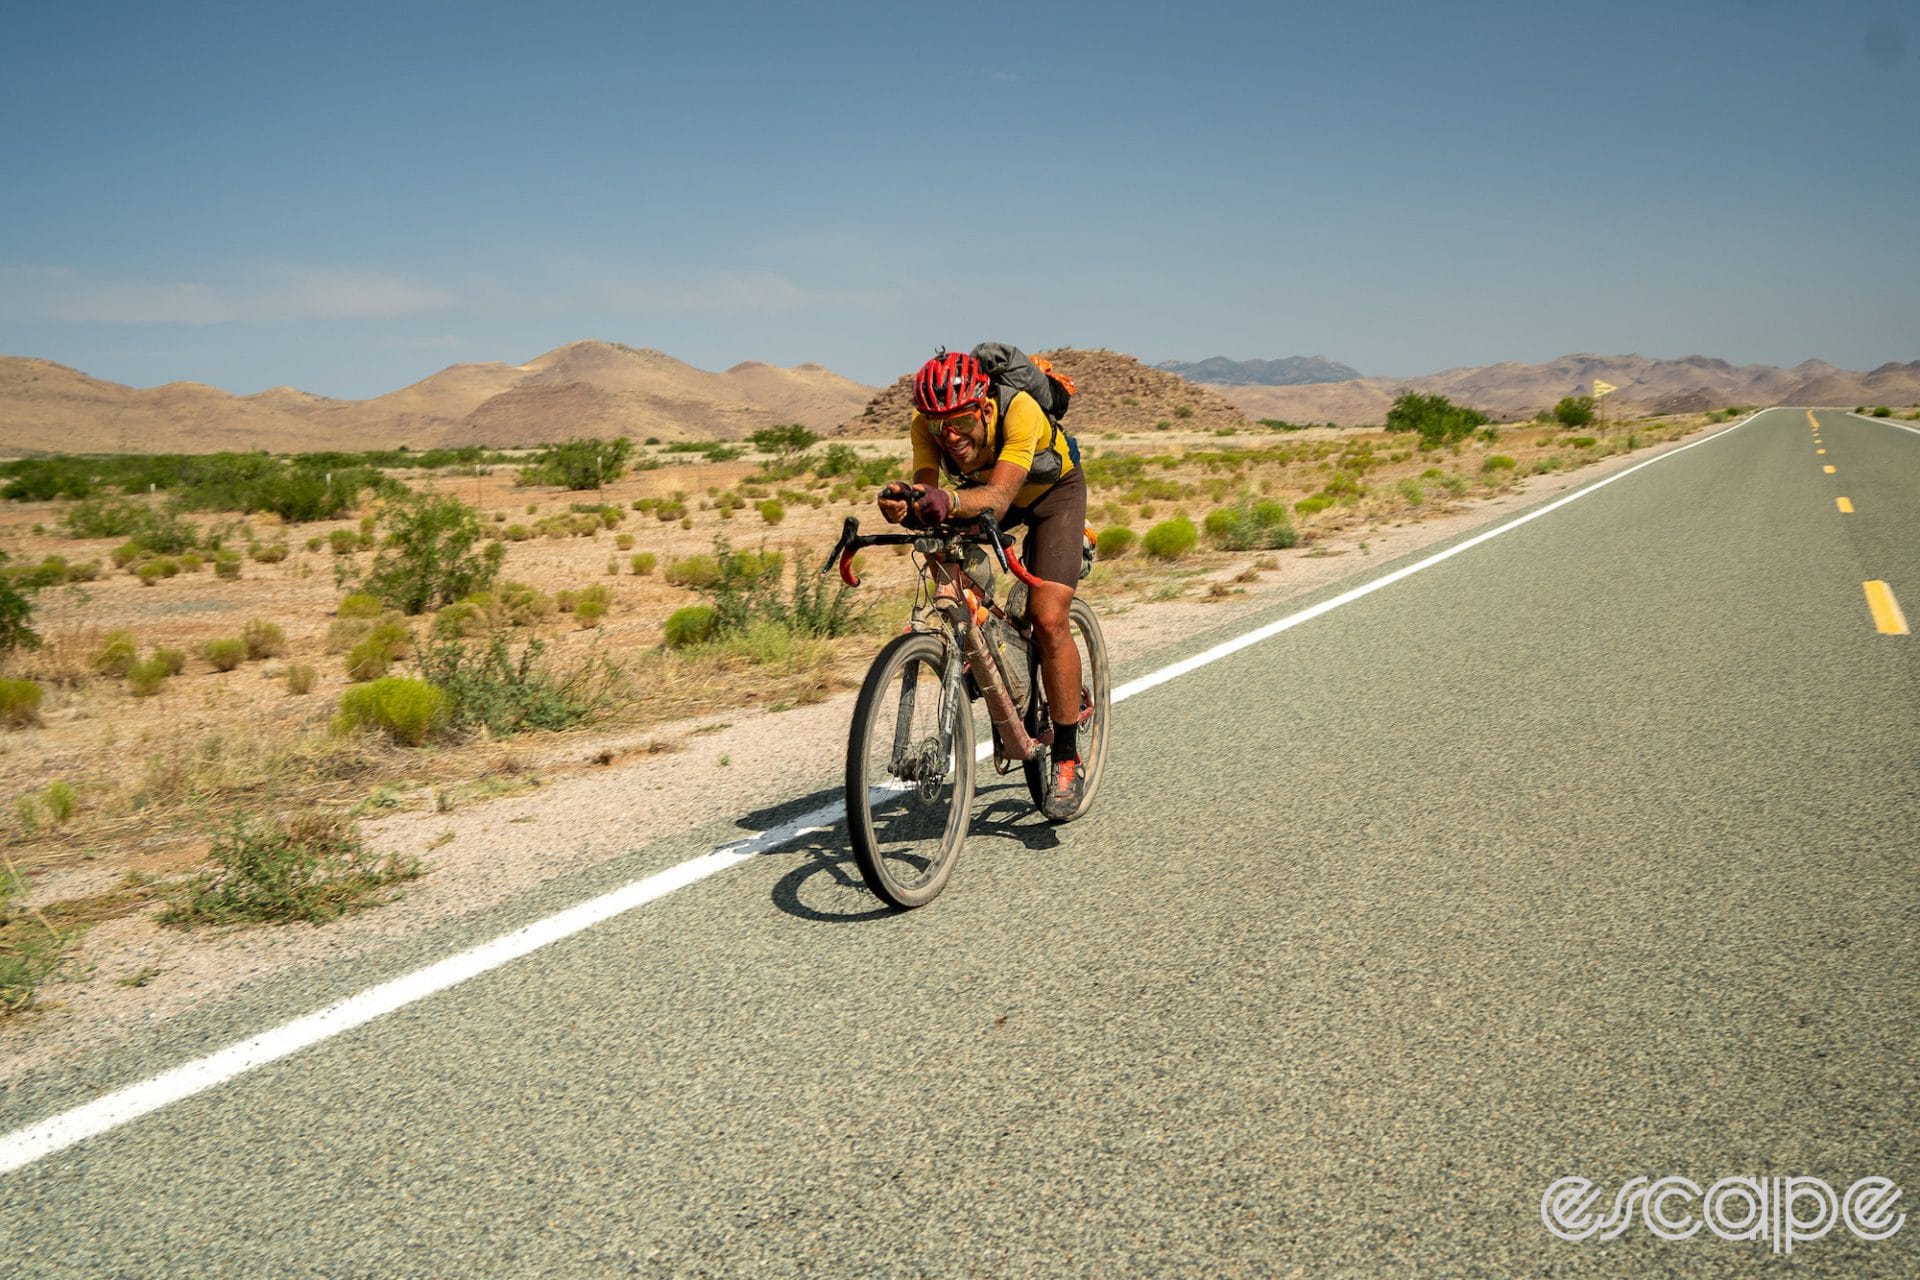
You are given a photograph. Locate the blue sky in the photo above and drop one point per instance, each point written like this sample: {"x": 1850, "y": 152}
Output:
{"x": 348, "y": 197}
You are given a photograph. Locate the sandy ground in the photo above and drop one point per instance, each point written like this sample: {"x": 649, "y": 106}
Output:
{"x": 734, "y": 763}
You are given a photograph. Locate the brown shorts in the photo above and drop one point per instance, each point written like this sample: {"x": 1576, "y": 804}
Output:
{"x": 1056, "y": 530}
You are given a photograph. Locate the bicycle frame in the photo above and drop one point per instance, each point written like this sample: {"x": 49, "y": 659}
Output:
{"x": 952, "y": 597}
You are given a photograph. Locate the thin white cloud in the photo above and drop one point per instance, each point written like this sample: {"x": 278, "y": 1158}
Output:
{"x": 273, "y": 293}
{"x": 733, "y": 293}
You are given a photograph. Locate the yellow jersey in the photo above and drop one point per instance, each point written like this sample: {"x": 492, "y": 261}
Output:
{"x": 1025, "y": 435}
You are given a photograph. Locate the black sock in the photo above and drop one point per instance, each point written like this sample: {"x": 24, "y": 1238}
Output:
{"x": 1066, "y": 745}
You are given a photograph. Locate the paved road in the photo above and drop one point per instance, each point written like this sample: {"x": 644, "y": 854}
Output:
{"x": 1591, "y": 850}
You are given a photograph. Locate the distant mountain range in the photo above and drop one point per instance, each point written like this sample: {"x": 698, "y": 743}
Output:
{"x": 1291, "y": 372}
{"x": 607, "y": 389}
{"x": 1643, "y": 385}
{"x": 582, "y": 389}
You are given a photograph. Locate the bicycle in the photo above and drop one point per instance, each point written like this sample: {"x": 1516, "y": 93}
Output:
{"x": 910, "y": 751}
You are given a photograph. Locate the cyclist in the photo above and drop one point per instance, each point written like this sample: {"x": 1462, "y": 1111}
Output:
{"x": 989, "y": 447}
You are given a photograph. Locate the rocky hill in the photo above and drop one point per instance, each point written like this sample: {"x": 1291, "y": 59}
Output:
{"x": 584, "y": 388}
{"x": 1644, "y": 386}
{"x": 1115, "y": 393}
{"x": 1291, "y": 372}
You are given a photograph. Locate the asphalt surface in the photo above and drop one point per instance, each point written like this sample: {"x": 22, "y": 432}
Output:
{"x": 1590, "y": 851}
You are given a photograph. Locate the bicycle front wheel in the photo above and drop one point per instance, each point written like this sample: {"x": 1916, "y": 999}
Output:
{"x": 910, "y": 770}
{"x": 1096, "y": 700}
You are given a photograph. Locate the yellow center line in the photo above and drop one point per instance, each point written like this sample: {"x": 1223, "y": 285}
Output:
{"x": 1829, "y": 470}
{"x": 1821, "y": 452}
{"x": 1812, "y": 421}
{"x": 1887, "y": 618}
{"x": 1846, "y": 506}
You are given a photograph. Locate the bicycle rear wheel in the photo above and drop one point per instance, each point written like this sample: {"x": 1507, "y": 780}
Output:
{"x": 910, "y": 771}
{"x": 1096, "y": 699}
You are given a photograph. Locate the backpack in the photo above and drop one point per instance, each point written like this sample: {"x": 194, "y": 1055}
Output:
{"x": 1012, "y": 371}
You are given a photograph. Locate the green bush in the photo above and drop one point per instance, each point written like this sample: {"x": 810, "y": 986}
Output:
{"x": 1574, "y": 411}
{"x": 269, "y": 553}
{"x": 1170, "y": 539}
{"x": 579, "y": 463}
{"x": 175, "y": 660}
{"x": 59, "y": 801}
{"x": 226, "y": 564}
{"x": 790, "y": 438}
{"x": 116, "y": 653}
{"x": 1251, "y": 525}
{"x": 263, "y": 639}
{"x": 311, "y": 867}
{"x": 1114, "y": 542}
{"x": 691, "y": 625}
{"x": 1882, "y": 411}
{"x": 772, "y": 512}
{"x": 1437, "y": 419}
{"x": 359, "y": 605}
{"x": 145, "y": 677}
{"x": 488, "y": 686}
{"x": 343, "y": 542}
{"x": 693, "y": 571}
{"x": 405, "y": 709}
{"x": 224, "y": 654}
{"x": 428, "y": 558}
{"x": 644, "y": 562}
{"x": 300, "y": 677}
{"x": 1498, "y": 462}
{"x": 20, "y": 703}
{"x": 1312, "y": 506}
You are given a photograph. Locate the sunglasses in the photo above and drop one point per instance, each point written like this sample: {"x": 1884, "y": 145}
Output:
{"x": 957, "y": 426}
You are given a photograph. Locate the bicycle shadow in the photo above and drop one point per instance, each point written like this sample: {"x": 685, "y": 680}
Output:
{"x": 826, "y": 887}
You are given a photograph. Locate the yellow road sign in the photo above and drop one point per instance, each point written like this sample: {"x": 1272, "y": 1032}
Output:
{"x": 1601, "y": 389}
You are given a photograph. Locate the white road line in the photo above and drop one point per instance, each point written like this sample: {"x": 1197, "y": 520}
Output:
{"x": 24, "y": 1146}
{"x": 1883, "y": 422}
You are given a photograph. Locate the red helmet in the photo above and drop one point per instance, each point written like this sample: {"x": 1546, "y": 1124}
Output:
{"x": 949, "y": 383}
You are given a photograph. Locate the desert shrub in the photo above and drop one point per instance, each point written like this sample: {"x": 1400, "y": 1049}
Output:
{"x": 1582, "y": 442}
{"x": 694, "y": 571}
{"x": 772, "y": 512}
{"x": 343, "y": 542}
{"x": 1114, "y": 541}
{"x": 624, "y": 541}
{"x": 429, "y": 558}
{"x": 268, "y": 553}
{"x": 1437, "y": 419}
{"x": 225, "y": 653}
{"x": 407, "y": 710}
{"x": 300, "y": 677}
{"x": 1313, "y": 505}
{"x": 116, "y": 653}
{"x": 359, "y": 605}
{"x": 20, "y": 703}
{"x": 644, "y": 562}
{"x": 263, "y": 639}
{"x": 579, "y": 463}
{"x": 311, "y": 867}
{"x": 174, "y": 660}
{"x": 590, "y": 612}
{"x": 691, "y": 625}
{"x": 1574, "y": 411}
{"x": 1170, "y": 539}
{"x": 1412, "y": 492}
{"x": 59, "y": 801}
{"x": 464, "y": 618}
{"x": 522, "y": 605}
{"x": 487, "y": 686}
{"x": 787, "y": 438}
{"x": 145, "y": 677}
{"x": 383, "y": 644}
{"x": 1251, "y": 525}
{"x": 1882, "y": 411}
{"x": 1498, "y": 462}
{"x": 226, "y": 564}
